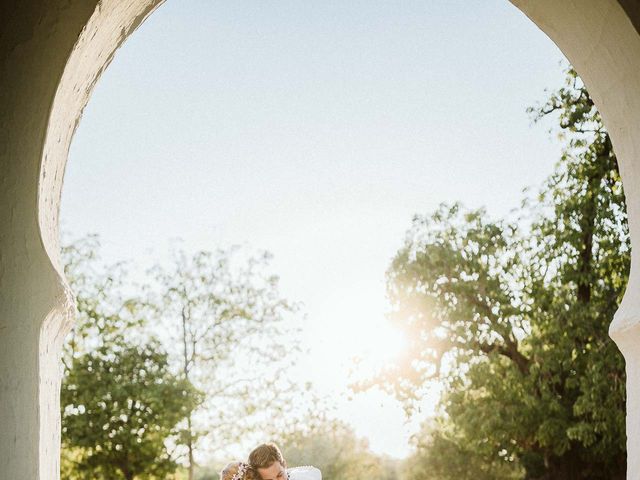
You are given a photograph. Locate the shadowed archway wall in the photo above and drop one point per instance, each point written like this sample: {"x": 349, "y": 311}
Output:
{"x": 51, "y": 54}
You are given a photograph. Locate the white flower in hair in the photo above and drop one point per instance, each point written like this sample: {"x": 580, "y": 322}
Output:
{"x": 243, "y": 468}
{"x": 304, "y": 473}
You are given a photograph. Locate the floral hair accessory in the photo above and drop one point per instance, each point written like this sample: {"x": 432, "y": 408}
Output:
{"x": 243, "y": 468}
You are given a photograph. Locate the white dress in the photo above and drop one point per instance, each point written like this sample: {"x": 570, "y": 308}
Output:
{"x": 304, "y": 473}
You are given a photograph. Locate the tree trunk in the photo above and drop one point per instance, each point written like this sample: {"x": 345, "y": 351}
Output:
{"x": 185, "y": 352}
{"x": 126, "y": 472}
{"x": 190, "y": 447}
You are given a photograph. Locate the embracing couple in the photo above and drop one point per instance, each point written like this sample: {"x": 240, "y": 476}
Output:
{"x": 267, "y": 463}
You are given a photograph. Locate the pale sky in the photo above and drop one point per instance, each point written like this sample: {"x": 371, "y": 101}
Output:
{"x": 315, "y": 131}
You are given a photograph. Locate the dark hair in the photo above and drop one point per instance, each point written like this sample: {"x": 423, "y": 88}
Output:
{"x": 266, "y": 455}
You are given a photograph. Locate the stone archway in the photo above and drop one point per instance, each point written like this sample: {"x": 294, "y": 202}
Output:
{"x": 51, "y": 54}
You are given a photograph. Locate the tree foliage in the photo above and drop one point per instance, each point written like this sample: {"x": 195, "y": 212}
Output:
{"x": 200, "y": 355}
{"x": 443, "y": 453}
{"x": 121, "y": 407}
{"x": 121, "y": 403}
{"x": 512, "y": 315}
{"x": 333, "y": 447}
{"x": 228, "y": 322}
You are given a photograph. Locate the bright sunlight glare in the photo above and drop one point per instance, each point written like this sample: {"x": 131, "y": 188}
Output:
{"x": 379, "y": 344}
{"x": 355, "y": 335}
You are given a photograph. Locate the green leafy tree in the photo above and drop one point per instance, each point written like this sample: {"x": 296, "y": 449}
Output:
{"x": 223, "y": 326}
{"x": 105, "y": 309}
{"x": 332, "y": 446}
{"x": 442, "y": 453}
{"x": 512, "y": 316}
{"x": 121, "y": 404}
{"x": 227, "y": 325}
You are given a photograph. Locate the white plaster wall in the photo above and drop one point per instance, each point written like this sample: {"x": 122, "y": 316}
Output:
{"x": 30, "y": 289}
{"x": 108, "y": 27}
{"x": 51, "y": 54}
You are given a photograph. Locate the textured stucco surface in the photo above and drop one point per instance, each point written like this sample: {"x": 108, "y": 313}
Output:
{"x": 51, "y": 54}
{"x": 30, "y": 289}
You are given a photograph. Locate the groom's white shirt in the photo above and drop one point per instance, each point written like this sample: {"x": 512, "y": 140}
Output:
{"x": 304, "y": 473}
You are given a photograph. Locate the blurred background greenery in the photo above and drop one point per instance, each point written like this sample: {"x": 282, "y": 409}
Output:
{"x": 508, "y": 316}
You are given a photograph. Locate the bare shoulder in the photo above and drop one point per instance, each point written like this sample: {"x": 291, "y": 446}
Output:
{"x": 305, "y": 473}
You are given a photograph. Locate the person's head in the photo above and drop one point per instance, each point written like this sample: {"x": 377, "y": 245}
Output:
{"x": 268, "y": 462}
{"x": 237, "y": 471}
